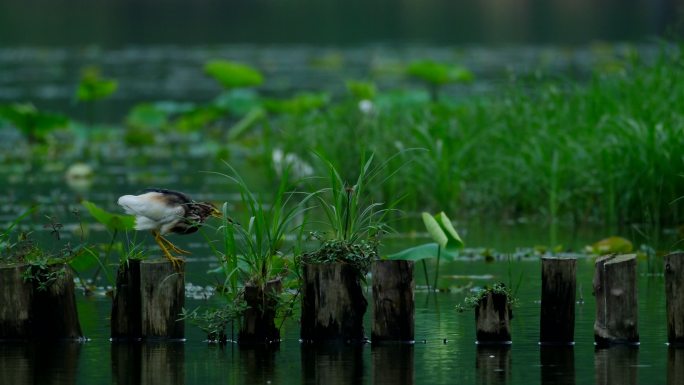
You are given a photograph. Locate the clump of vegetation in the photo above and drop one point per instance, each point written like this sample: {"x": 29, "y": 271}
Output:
{"x": 473, "y": 301}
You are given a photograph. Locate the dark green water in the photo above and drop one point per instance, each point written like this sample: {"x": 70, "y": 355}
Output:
{"x": 331, "y": 22}
{"x": 445, "y": 351}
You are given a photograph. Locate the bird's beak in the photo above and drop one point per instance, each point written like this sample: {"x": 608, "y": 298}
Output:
{"x": 216, "y": 213}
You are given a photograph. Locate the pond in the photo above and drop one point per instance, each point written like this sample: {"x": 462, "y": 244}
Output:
{"x": 444, "y": 352}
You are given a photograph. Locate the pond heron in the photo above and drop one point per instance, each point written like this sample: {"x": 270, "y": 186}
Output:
{"x": 166, "y": 211}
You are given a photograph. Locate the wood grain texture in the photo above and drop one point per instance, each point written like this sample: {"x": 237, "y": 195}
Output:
{"x": 493, "y": 319}
{"x": 615, "y": 288}
{"x": 674, "y": 298}
{"x": 393, "y": 301}
{"x": 557, "y": 315}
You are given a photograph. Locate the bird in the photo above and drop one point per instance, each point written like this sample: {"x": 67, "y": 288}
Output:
{"x": 166, "y": 211}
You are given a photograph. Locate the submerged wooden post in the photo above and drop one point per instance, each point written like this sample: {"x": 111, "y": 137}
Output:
{"x": 16, "y": 296}
{"x": 332, "y": 364}
{"x": 393, "y": 304}
{"x": 333, "y": 304}
{"x": 149, "y": 300}
{"x": 557, "y": 316}
{"x": 492, "y": 318}
{"x": 493, "y": 365}
{"x": 55, "y": 315}
{"x": 148, "y": 363}
{"x": 675, "y": 366}
{"x": 393, "y": 364}
{"x": 616, "y": 365}
{"x": 257, "y": 325}
{"x": 615, "y": 288}
{"x": 674, "y": 298}
{"x": 557, "y": 365}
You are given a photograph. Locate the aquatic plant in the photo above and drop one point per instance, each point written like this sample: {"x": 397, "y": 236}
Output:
{"x": 31, "y": 122}
{"x": 447, "y": 242}
{"x": 436, "y": 75}
{"x": 233, "y": 75}
{"x": 93, "y": 87}
{"x": 472, "y": 301}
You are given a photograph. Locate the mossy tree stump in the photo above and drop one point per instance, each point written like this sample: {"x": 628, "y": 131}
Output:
{"x": 615, "y": 288}
{"x": 393, "y": 302}
{"x": 257, "y": 325}
{"x": 557, "y": 316}
{"x": 493, "y": 319}
{"x": 148, "y": 301}
{"x": 43, "y": 307}
{"x": 333, "y": 304}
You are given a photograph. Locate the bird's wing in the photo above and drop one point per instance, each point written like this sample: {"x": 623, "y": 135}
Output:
{"x": 151, "y": 205}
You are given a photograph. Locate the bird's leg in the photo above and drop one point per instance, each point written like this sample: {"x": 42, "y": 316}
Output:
{"x": 176, "y": 262}
{"x": 172, "y": 247}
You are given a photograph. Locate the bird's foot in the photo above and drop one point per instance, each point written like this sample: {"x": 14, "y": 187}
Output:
{"x": 171, "y": 247}
{"x": 177, "y": 263}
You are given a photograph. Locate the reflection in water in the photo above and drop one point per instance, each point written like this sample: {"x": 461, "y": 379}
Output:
{"x": 616, "y": 365}
{"x": 148, "y": 363}
{"x": 557, "y": 365}
{"x": 392, "y": 364}
{"x": 675, "y": 366}
{"x": 332, "y": 364}
{"x": 257, "y": 363}
{"x": 34, "y": 363}
{"x": 493, "y": 364}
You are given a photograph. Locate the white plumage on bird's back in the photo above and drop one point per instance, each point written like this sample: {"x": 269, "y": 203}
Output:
{"x": 151, "y": 211}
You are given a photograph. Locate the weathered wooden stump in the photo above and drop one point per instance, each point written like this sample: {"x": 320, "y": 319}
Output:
{"x": 257, "y": 325}
{"x": 557, "y": 316}
{"x": 557, "y": 365}
{"x": 16, "y": 297}
{"x": 493, "y": 364}
{"x": 674, "y": 298}
{"x": 32, "y": 311}
{"x": 126, "y": 319}
{"x": 675, "y": 366}
{"x": 615, "y": 288}
{"x": 148, "y": 302}
{"x": 493, "y": 319}
{"x": 393, "y": 364}
{"x": 333, "y": 304}
{"x": 332, "y": 364}
{"x": 393, "y": 304}
{"x": 616, "y": 365}
{"x": 58, "y": 298}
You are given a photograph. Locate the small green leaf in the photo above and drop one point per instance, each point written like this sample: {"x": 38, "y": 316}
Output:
{"x": 454, "y": 240}
{"x": 111, "y": 221}
{"x": 93, "y": 86}
{"x": 84, "y": 260}
{"x": 233, "y": 75}
{"x": 435, "y": 230}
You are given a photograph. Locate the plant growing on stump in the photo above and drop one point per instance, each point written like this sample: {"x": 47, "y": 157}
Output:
{"x": 254, "y": 263}
{"x": 333, "y": 304}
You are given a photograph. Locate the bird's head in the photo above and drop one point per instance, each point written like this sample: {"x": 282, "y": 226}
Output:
{"x": 209, "y": 210}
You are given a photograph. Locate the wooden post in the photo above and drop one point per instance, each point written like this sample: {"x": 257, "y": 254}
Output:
{"x": 557, "y": 317}
{"x": 258, "y": 321}
{"x": 126, "y": 319}
{"x": 393, "y": 364}
{"x": 616, "y": 365}
{"x": 333, "y": 304}
{"x": 492, "y": 318}
{"x": 55, "y": 315}
{"x": 162, "y": 297}
{"x": 493, "y": 364}
{"x": 615, "y": 288}
{"x": 149, "y": 300}
{"x": 16, "y": 296}
{"x": 674, "y": 298}
{"x": 557, "y": 365}
{"x": 393, "y": 304}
